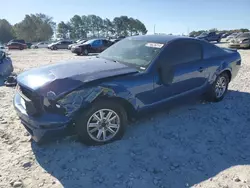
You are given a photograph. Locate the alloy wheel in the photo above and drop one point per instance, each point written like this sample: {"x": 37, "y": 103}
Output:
{"x": 220, "y": 86}
{"x": 103, "y": 125}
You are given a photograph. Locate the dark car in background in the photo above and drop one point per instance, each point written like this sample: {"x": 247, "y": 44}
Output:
{"x": 95, "y": 97}
{"x": 16, "y": 45}
{"x": 18, "y": 40}
{"x": 91, "y": 46}
{"x": 60, "y": 45}
{"x": 210, "y": 36}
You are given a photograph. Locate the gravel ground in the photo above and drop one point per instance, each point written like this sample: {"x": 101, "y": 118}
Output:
{"x": 194, "y": 145}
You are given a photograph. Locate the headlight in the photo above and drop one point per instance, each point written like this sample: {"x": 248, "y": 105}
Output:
{"x": 53, "y": 107}
{"x": 79, "y": 98}
{"x": 245, "y": 41}
{"x": 75, "y": 100}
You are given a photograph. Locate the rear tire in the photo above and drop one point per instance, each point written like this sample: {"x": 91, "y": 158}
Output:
{"x": 88, "y": 126}
{"x": 219, "y": 88}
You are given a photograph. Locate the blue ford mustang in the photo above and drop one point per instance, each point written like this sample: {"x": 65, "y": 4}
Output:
{"x": 95, "y": 97}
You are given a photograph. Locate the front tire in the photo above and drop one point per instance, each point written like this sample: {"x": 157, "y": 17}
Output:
{"x": 85, "y": 52}
{"x": 104, "y": 122}
{"x": 219, "y": 88}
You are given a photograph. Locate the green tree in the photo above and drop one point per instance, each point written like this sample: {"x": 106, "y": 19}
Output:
{"x": 108, "y": 27}
{"x": 6, "y": 31}
{"x": 95, "y": 26}
{"x": 62, "y": 30}
{"x": 35, "y": 27}
{"x": 76, "y": 27}
{"x": 140, "y": 27}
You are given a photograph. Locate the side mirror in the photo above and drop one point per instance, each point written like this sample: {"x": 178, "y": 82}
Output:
{"x": 2, "y": 55}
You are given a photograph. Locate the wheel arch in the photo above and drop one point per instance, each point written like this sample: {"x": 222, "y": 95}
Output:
{"x": 128, "y": 106}
{"x": 97, "y": 94}
{"x": 228, "y": 72}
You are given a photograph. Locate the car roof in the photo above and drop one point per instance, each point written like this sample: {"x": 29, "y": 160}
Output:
{"x": 158, "y": 38}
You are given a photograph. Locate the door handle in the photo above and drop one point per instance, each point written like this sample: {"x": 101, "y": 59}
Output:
{"x": 201, "y": 69}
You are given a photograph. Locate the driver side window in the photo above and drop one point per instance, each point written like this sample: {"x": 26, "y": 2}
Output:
{"x": 96, "y": 43}
{"x": 184, "y": 52}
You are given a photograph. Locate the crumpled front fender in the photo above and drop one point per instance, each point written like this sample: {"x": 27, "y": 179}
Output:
{"x": 81, "y": 99}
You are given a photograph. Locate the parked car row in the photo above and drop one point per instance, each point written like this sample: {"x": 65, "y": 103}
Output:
{"x": 79, "y": 46}
{"x": 210, "y": 36}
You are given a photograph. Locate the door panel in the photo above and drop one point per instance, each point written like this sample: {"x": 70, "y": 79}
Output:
{"x": 187, "y": 75}
{"x": 96, "y": 46}
{"x": 186, "y": 78}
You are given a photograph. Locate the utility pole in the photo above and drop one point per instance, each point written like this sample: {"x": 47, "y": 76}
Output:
{"x": 154, "y": 28}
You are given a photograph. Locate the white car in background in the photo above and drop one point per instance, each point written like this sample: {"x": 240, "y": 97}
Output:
{"x": 40, "y": 45}
{"x": 232, "y": 36}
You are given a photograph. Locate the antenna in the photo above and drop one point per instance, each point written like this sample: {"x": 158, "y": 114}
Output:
{"x": 154, "y": 28}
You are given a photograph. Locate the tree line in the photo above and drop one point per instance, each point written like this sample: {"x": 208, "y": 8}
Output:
{"x": 196, "y": 33}
{"x": 41, "y": 27}
{"x": 95, "y": 26}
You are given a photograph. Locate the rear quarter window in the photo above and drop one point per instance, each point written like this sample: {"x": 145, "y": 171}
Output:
{"x": 211, "y": 51}
{"x": 184, "y": 52}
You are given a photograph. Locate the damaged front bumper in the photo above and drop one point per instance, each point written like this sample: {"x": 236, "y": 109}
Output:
{"x": 76, "y": 50}
{"x": 45, "y": 127}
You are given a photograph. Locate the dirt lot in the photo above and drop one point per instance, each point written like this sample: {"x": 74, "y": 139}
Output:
{"x": 199, "y": 145}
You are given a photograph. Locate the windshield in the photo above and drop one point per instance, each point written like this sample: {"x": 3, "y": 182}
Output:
{"x": 81, "y": 41}
{"x": 203, "y": 34}
{"x": 137, "y": 53}
{"x": 89, "y": 41}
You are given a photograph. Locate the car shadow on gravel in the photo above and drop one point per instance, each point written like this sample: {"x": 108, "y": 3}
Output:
{"x": 177, "y": 148}
{"x": 1, "y": 81}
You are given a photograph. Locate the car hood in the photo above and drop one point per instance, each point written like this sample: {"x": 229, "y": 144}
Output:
{"x": 61, "y": 78}
{"x": 199, "y": 37}
{"x": 52, "y": 44}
